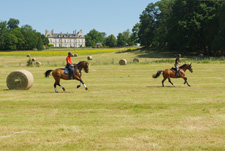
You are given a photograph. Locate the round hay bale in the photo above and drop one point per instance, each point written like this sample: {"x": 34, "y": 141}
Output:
{"x": 89, "y": 58}
{"x": 201, "y": 55}
{"x": 33, "y": 59}
{"x": 75, "y": 55}
{"x": 135, "y": 60}
{"x": 123, "y": 62}
{"x": 20, "y": 80}
{"x": 38, "y": 63}
{"x": 28, "y": 55}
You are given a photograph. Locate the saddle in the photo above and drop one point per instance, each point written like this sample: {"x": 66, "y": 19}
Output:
{"x": 174, "y": 69}
{"x": 74, "y": 70}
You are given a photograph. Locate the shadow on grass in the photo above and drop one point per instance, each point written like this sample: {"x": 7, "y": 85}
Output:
{"x": 150, "y": 53}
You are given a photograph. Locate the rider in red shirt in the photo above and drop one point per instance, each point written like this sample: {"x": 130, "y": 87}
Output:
{"x": 69, "y": 65}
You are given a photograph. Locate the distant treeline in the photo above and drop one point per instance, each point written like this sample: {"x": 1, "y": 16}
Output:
{"x": 184, "y": 26}
{"x": 25, "y": 38}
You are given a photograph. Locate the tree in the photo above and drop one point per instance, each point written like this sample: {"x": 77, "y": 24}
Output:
{"x": 218, "y": 44}
{"x": 193, "y": 25}
{"x": 10, "y": 42}
{"x": 121, "y": 40}
{"x": 20, "y": 38}
{"x": 110, "y": 41}
{"x": 39, "y": 42}
{"x": 134, "y": 35}
{"x": 13, "y": 23}
{"x": 94, "y": 37}
{"x": 30, "y": 37}
{"x": 148, "y": 25}
{"x": 3, "y": 33}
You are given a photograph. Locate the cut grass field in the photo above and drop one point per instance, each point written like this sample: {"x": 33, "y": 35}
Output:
{"x": 124, "y": 109}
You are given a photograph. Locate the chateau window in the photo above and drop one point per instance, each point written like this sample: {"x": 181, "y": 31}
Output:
{"x": 65, "y": 40}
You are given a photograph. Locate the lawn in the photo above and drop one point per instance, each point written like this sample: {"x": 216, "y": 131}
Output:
{"x": 124, "y": 108}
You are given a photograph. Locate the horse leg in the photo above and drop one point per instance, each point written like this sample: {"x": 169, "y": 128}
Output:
{"x": 171, "y": 82}
{"x": 81, "y": 82}
{"x": 79, "y": 85}
{"x": 56, "y": 91}
{"x": 185, "y": 81}
{"x": 84, "y": 85}
{"x": 163, "y": 81}
{"x": 57, "y": 82}
{"x": 62, "y": 87}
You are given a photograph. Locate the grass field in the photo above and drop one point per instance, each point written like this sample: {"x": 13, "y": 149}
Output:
{"x": 124, "y": 108}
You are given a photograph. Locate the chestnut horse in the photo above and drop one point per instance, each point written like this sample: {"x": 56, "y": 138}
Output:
{"x": 168, "y": 73}
{"x": 59, "y": 74}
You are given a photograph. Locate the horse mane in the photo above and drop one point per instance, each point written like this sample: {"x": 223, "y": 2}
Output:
{"x": 82, "y": 62}
{"x": 183, "y": 65}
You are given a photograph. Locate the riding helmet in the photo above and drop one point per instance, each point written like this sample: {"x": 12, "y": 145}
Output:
{"x": 179, "y": 55}
{"x": 70, "y": 53}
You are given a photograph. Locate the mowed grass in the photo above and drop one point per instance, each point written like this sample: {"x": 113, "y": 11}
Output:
{"x": 124, "y": 109}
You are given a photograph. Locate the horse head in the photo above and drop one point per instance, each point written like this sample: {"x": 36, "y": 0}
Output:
{"x": 83, "y": 65}
{"x": 190, "y": 68}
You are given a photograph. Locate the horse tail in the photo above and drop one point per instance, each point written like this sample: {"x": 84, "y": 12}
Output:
{"x": 157, "y": 74}
{"x": 47, "y": 73}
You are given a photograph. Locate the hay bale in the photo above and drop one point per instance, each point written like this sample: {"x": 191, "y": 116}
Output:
{"x": 20, "y": 80}
{"x": 75, "y": 55}
{"x": 28, "y": 55}
{"x": 33, "y": 59}
{"x": 201, "y": 55}
{"x": 89, "y": 58}
{"x": 123, "y": 62}
{"x": 38, "y": 63}
{"x": 135, "y": 60}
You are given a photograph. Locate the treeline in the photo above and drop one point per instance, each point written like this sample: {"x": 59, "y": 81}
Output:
{"x": 12, "y": 37}
{"x": 184, "y": 25}
{"x": 190, "y": 26}
{"x": 123, "y": 39}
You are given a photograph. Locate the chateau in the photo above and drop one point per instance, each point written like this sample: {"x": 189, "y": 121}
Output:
{"x": 66, "y": 39}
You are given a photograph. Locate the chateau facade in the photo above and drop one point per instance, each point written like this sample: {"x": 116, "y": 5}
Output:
{"x": 66, "y": 39}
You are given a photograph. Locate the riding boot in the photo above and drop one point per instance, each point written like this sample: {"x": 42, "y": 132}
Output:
{"x": 71, "y": 76}
{"x": 177, "y": 73}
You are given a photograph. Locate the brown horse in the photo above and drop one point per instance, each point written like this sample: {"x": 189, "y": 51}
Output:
{"x": 59, "y": 74}
{"x": 168, "y": 73}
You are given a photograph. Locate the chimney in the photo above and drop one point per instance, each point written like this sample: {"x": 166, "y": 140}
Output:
{"x": 46, "y": 31}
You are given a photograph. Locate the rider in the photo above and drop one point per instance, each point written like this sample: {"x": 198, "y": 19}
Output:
{"x": 69, "y": 65}
{"x": 177, "y": 62}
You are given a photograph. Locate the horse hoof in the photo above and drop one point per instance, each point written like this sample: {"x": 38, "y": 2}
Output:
{"x": 189, "y": 85}
{"x": 86, "y": 88}
{"x": 174, "y": 85}
{"x": 78, "y": 86}
{"x": 56, "y": 92}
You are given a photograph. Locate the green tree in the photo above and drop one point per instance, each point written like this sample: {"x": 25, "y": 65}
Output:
{"x": 121, "y": 40}
{"x": 94, "y": 37}
{"x": 218, "y": 44}
{"x": 13, "y": 23}
{"x": 30, "y": 37}
{"x": 3, "y": 33}
{"x": 134, "y": 35}
{"x": 20, "y": 38}
{"x": 193, "y": 25}
{"x": 39, "y": 42}
{"x": 110, "y": 41}
{"x": 10, "y": 42}
{"x": 148, "y": 25}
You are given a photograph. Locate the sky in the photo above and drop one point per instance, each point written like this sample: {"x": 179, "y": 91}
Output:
{"x": 109, "y": 16}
